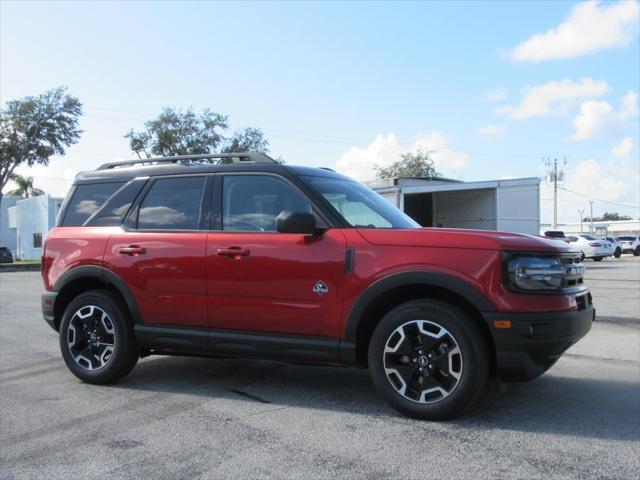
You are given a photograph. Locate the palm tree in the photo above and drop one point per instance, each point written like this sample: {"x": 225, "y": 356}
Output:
{"x": 25, "y": 187}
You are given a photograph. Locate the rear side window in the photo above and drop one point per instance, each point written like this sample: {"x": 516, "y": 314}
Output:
{"x": 172, "y": 204}
{"x": 114, "y": 210}
{"x": 86, "y": 200}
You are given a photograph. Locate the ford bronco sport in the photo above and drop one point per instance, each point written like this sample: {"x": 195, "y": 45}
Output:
{"x": 237, "y": 255}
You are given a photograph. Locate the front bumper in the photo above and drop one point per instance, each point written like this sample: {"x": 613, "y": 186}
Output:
{"x": 536, "y": 341}
{"x": 48, "y": 300}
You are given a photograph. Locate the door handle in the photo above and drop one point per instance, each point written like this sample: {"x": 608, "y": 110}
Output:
{"x": 233, "y": 252}
{"x": 132, "y": 250}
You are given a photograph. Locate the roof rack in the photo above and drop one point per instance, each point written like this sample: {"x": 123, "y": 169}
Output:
{"x": 216, "y": 158}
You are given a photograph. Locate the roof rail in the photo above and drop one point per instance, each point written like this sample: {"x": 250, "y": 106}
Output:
{"x": 217, "y": 158}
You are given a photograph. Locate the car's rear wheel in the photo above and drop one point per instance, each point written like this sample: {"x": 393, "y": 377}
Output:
{"x": 428, "y": 359}
{"x": 597, "y": 259}
{"x": 618, "y": 252}
{"x": 97, "y": 339}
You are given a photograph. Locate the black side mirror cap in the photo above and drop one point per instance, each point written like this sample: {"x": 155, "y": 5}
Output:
{"x": 296, "y": 222}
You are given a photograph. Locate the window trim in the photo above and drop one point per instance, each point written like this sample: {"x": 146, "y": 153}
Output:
{"x": 130, "y": 223}
{"x": 219, "y": 196}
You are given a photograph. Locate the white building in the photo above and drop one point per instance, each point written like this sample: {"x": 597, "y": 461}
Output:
{"x": 506, "y": 205}
{"x": 31, "y": 219}
{"x": 617, "y": 228}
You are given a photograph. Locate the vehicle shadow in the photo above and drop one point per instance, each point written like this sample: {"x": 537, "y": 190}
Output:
{"x": 586, "y": 407}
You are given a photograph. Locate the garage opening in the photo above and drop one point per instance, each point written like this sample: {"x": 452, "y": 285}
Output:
{"x": 420, "y": 207}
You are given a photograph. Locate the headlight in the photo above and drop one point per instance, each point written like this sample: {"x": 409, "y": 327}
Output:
{"x": 533, "y": 273}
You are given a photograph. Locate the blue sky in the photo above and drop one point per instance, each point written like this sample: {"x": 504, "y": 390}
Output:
{"x": 489, "y": 87}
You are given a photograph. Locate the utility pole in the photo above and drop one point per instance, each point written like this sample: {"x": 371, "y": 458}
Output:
{"x": 591, "y": 219}
{"x": 554, "y": 175}
{"x": 581, "y": 212}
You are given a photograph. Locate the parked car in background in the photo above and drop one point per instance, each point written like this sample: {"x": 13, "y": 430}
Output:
{"x": 556, "y": 235}
{"x": 615, "y": 243}
{"x": 591, "y": 247}
{"x": 630, "y": 245}
{"x": 5, "y": 255}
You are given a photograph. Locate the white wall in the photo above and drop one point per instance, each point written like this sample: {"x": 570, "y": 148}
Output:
{"x": 518, "y": 209}
{"x": 35, "y": 215}
{"x": 466, "y": 209}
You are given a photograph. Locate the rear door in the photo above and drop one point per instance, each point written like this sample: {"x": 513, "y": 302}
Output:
{"x": 264, "y": 281}
{"x": 160, "y": 251}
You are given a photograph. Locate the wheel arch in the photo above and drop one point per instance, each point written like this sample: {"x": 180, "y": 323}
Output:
{"x": 89, "y": 277}
{"x": 395, "y": 289}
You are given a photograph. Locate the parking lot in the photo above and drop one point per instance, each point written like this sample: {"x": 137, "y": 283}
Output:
{"x": 200, "y": 418}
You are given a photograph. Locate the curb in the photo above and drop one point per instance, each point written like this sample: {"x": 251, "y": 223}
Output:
{"x": 19, "y": 267}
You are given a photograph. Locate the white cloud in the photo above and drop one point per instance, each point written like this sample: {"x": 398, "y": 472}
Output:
{"x": 490, "y": 130}
{"x": 623, "y": 149}
{"x": 554, "y": 98}
{"x": 629, "y": 105}
{"x": 593, "y": 179}
{"x": 358, "y": 162}
{"x": 494, "y": 94}
{"x": 590, "y": 27}
{"x": 598, "y": 118}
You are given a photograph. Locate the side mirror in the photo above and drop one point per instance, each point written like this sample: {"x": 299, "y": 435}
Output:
{"x": 296, "y": 222}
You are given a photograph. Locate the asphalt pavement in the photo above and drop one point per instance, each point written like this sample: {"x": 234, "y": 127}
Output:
{"x": 202, "y": 418}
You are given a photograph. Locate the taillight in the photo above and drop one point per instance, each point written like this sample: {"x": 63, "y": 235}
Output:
{"x": 595, "y": 245}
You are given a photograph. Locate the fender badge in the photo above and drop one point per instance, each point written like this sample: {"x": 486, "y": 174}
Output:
{"x": 320, "y": 288}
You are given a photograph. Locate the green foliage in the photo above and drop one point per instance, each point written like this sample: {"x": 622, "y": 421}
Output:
{"x": 608, "y": 217}
{"x": 25, "y": 187}
{"x": 411, "y": 164}
{"x": 32, "y": 129}
{"x": 185, "y": 132}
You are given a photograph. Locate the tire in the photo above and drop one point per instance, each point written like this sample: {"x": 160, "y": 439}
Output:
{"x": 597, "y": 259}
{"x": 636, "y": 252}
{"x": 96, "y": 338}
{"x": 467, "y": 357}
{"x": 618, "y": 252}
{"x": 582, "y": 257}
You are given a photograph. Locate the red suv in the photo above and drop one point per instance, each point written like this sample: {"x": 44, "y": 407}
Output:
{"x": 239, "y": 256}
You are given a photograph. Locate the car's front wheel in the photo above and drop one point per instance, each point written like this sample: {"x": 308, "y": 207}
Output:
{"x": 618, "y": 252}
{"x": 428, "y": 359}
{"x": 97, "y": 339}
{"x": 636, "y": 252}
{"x": 597, "y": 259}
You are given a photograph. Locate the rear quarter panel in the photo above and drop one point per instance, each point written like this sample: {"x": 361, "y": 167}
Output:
{"x": 69, "y": 247}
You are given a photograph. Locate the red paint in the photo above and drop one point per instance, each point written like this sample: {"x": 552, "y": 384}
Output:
{"x": 264, "y": 282}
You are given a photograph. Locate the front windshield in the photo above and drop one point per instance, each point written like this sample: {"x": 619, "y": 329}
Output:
{"x": 360, "y": 206}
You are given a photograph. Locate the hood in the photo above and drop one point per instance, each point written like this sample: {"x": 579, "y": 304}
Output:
{"x": 463, "y": 238}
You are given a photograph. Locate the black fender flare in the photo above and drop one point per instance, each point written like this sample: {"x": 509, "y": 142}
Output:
{"x": 415, "y": 277}
{"x": 104, "y": 276}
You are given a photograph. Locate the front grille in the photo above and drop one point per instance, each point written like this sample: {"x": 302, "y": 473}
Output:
{"x": 574, "y": 271}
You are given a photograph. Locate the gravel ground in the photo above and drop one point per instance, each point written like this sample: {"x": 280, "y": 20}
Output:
{"x": 197, "y": 418}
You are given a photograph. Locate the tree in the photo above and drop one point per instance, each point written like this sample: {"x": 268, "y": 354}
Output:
{"x": 411, "y": 164}
{"x": 25, "y": 187}
{"x": 178, "y": 132}
{"x": 608, "y": 217}
{"x": 32, "y": 129}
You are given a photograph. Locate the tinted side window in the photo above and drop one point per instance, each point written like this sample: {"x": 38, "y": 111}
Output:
{"x": 86, "y": 200}
{"x": 173, "y": 204}
{"x": 113, "y": 211}
{"x": 253, "y": 202}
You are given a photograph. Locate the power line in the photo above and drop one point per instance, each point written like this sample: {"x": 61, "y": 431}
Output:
{"x": 599, "y": 199}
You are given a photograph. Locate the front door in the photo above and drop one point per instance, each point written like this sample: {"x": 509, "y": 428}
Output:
{"x": 264, "y": 281}
{"x": 161, "y": 256}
